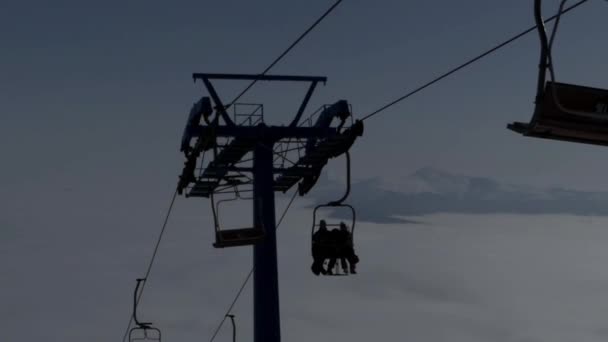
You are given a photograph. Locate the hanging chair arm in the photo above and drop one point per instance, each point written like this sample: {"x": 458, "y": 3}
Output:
{"x": 137, "y": 322}
{"x": 213, "y": 211}
{"x": 338, "y": 202}
{"x": 544, "y": 53}
{"x": 233, "y": 326}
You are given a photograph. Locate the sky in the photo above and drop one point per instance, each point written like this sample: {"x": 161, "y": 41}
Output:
{"x": 93, "y": 100}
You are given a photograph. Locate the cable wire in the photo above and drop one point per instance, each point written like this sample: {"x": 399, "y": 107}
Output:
{"x": 149, "y": 269}
{"x": 240, "y": 291}
{"x": 329, "y": 10}
{"x": 471, "y": 61}
{"x": 296, "y": 42}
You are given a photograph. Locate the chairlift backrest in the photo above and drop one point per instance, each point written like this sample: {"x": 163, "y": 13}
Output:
{"x": 562, "y": 99}
{"x": 316, "y": 222}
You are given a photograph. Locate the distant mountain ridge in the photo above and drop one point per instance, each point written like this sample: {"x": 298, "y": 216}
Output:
{"x": 430, "y": 190}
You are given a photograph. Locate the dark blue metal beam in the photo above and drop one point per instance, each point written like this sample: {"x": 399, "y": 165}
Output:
{"x": 300, "y": 171}
{"x": 251, "y": 77}
{"x": 275, "y": 132}
{"x": 295, "y": 121}
{"x": 219, "y": 106}
{"x": 266, "y": 318}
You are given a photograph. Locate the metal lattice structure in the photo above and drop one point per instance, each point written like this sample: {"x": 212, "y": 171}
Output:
{"x": 249, "y": 156}
{"x": 231, "y": 140}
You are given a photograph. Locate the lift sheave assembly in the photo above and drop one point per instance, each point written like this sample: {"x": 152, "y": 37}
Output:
{"x": 235, "y": 140}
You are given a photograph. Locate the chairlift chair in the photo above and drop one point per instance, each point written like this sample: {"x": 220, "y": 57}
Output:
{"x": 316, "y": 224}
{"x": 239, "y": 236}
{"x": 142, "y": 331}
{"x": 566, "y": 112}
{"x": 330, "y": 245}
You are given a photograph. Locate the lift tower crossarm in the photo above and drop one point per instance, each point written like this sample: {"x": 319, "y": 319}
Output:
{"x": 254, "y": 77}
{"x": 273, "y": 132}
{"x": 221, "y": 108}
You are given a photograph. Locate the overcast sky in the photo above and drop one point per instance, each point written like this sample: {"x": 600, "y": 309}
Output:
{"x": 93, "y": 100}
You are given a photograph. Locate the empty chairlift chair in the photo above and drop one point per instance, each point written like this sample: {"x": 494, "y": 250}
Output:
{"x": 563, "y": 111}
{"x": 142, "y": 331}
{"x": 238, "y": 236}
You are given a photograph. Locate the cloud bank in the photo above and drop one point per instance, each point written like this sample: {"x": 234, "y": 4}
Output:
{"x": 431, "y": 191}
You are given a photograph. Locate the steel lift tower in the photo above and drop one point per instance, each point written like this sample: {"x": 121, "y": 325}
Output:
{"x": 230, "y": 139}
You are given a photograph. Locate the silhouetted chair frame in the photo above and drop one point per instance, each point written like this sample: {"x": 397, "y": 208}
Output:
{"x": 566, "y": 112}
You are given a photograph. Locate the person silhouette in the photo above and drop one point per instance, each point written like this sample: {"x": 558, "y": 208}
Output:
{"x": 320, "y": 239}
{"x": 346, "y": 240}
{"x": 337, "y": 244}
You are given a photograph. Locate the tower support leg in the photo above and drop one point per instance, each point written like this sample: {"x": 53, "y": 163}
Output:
{"x": 267, "y": 324}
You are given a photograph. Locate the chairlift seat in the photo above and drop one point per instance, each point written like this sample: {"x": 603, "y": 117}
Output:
{"x": 145, "y": 334}
{"x": 552, "y": 122}
{"x": 238, "y": 237}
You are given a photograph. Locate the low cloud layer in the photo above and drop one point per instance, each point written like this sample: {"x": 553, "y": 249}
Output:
{"x": 69, "y": 274}
{"x": 506, "y": 278}
{"x": 431, "y": 191}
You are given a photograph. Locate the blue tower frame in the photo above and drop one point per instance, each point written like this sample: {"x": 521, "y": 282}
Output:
{"x": 322, "y": 143}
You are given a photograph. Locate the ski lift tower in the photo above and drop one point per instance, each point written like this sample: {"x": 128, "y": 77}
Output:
{"x": 230, "y": 139}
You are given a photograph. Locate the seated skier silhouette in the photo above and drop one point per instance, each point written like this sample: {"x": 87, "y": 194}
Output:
{"x": 320, "y": 251}
{"x": 336, "y": 249}
{"x": 349, "y": 249}
{"x": 343, "y": 249}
